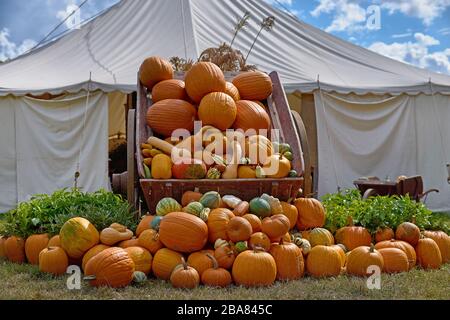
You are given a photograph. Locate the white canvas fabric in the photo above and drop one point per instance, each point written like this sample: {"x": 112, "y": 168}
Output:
{"x": 113, "y": 46}
{"x": 40, "y": 145}
{"x": 384, "y": 137}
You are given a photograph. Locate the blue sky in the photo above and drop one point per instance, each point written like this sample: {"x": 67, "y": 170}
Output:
{"x": 413, "y": 31}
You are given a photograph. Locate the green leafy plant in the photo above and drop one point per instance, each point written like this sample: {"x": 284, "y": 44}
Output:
{"x": 47, "y": 213}
{"x": 376, "y": 212}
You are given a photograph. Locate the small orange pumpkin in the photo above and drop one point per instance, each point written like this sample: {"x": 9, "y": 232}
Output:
{"x": 216, "y": 276}
{"x": 166, "y": 116}
{"x": 144, "y": 224}
{"x": 15, "y": 249}
{"x": 217, "y": 224}
{"x": 260, "y": 239}
{"x": 199, "y": 260}
{"x": 204, "y": 78}
{"x": 169, "y": 89}
{"x": 428, "y": 254}
{"x": 311, "y": 213}
{"x": 153, "y": 70}
{"x": 408, "y": 232}
{"x": 149, "y": 239}
{"x": 275, "y": 226}
{"x": 361, "y": 258}
{"x": 253, "y": 85}
{"x": 142, "y": 259}
{"x": 217, "y": 109}
{"x": 239, "y": 229}
{"x": 290, "y": 211}
{"x": 254, "y": 220}
{"x": 53, "y": 260}
{"x": 184, "y": 276}
{"x": 34, "y": 245}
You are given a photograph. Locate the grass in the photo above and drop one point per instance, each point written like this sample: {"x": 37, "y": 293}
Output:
{"x": 25, "y": 282}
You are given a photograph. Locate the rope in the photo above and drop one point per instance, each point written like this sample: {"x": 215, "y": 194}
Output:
{"x": 55, "y": 28}
{"x": 328, "y": 135}
{"x": 77, "y": 173}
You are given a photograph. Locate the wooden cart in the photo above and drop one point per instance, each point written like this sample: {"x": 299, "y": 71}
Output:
{"x": 134, "y": 186}
{"x": 412, "y": 186}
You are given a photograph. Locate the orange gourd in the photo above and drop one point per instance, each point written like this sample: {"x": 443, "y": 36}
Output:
{"x": 144, "y": 224}
{"x": 254, "y": 220}
{"x": 291, "y": 212}
{"x": 199, "y": 260}
{"x": 164, "y": 261}
{"x": 239, "y": 229}
{"x": 260, "y": 239}
{"x": 149, "y": 239}
{"x": 142, "y": 259}
{"x": 217, "y": 224}
{"x": 275, "y": 226}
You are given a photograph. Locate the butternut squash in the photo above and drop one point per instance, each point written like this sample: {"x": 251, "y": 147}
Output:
{"x": 162, "y": 145}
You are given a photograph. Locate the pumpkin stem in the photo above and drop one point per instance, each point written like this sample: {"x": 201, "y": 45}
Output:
{"x": 214, "y": 260}
{"x": 197, "y": 190}
{"x": 281, "y": 242}
{"x": 89, "y": 278}
{"x": 350, "y": 221}
{"x": 183, "y": 262}
{"x": 372, "y": 248}
{"x": 257, "y": 248}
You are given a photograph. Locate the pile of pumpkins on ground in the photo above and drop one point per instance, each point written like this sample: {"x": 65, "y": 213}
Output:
{"x": 218, "y": 240}
{"x": 205, "y": 95}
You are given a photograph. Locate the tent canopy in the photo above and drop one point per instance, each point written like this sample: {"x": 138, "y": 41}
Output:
{"x": 113, "y": 45}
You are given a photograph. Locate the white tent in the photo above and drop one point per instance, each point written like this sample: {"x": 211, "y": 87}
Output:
{"x": 375, "y": 116}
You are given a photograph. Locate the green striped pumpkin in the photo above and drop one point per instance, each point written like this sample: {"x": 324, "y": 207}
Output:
{"x": 211, "y": 200}
{"x": 260, "y": 207}
{"x": 166, "y": 206}
{"x": 320, "y": 236}
{"x": 194, "y": 208}
{"x": 213, "y": 173}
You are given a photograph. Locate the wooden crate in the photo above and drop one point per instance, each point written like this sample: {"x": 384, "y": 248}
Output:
{"x": 246, "y": 189}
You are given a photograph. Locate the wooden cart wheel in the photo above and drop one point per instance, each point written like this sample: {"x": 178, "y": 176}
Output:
{"x": 369, "y": 193}
{"x": 132, "y": 182}
{"x": 307, "y": 175}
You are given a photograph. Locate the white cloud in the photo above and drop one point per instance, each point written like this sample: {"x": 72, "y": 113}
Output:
{"x": 444, "y": 31}
{"x": 416, "y": 52}
{"x": 348, "y": 16}
{"x": 426, "y": 10}
{"x": 9, "y": 49}
{"x": 402, "y": 35}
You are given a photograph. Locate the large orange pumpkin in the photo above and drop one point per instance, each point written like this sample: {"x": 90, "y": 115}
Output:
{"x": 443, "y": 241}
{"x": 218, "y": 110}
{"x": 164, "y": 261}
{"x": 311, "y": 213}
{"x": 77, "y": 236}
{"x": 217, "y": 224}
{"x": 15, "y": 249}
{"x": 169, "y": 89}
{"x": 142, "y": 259}
{"x": 183, "y": 232}
{"x": 204, "y": 78}
{"x": 253, "y": 85}
{"x": 254, "y": 268}
{"x": 154, "y": 70}
{"x": 34, "y": 245}
{"x": 168, "y": 115}
{"x": 250, "y": 115}
{"x": 112, "y": 267}
{"x": 402, "y": 245}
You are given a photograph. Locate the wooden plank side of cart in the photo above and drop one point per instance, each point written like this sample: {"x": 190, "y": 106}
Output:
{"x": 281, "y": 118}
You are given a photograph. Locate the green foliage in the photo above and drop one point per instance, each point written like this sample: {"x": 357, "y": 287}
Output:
{"x": 47, "y": 213}
{"x": 377, "y": 212}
